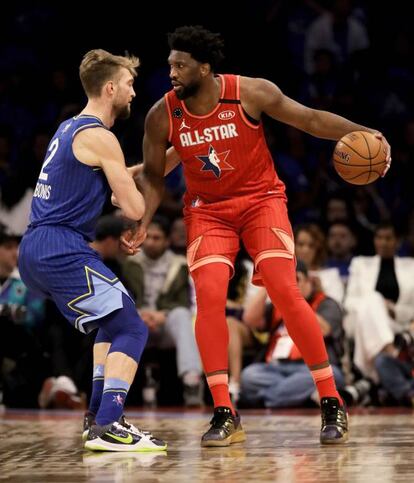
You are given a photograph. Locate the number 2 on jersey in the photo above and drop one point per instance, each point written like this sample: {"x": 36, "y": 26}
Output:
{"x": 52, "y": 149}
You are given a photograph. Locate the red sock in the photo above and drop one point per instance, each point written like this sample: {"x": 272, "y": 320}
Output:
{"x": 279, "y": 277}
{"x": 219, "y": 388}
{"x": 211, "y": 282}
{"x": 325, "y": 382}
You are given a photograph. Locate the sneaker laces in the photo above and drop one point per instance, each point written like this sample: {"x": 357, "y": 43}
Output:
{"x": 220, "y": 420}
{"x": 119, "y": 426}
{"x": 133, "y": 429}
{"x": 333, "y": 414}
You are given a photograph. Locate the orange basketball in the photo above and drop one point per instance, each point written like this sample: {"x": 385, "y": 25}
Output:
{"x": 359, "y": 157}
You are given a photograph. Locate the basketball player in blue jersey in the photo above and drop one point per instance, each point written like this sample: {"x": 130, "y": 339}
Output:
{"x": 83, "y": 161}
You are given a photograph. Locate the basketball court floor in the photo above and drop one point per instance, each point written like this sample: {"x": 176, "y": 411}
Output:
{"x": 282, "y": 446}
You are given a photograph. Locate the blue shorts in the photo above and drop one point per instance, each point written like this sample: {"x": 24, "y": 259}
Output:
{"x": 58, "y": 262}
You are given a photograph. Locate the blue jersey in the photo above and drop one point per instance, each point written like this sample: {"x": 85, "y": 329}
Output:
{"x": 69, "y": 193}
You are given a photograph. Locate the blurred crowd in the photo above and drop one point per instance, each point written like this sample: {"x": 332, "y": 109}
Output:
{"x": 354, "y": 265}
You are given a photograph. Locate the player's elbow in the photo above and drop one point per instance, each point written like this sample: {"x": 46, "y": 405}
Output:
{"x": 130, "y": 200}
{"x": 134, "y": 211}
{"x": 132, "y": 206}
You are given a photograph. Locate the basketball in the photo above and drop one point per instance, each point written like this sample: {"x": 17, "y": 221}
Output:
{"x": 359, "y": 157}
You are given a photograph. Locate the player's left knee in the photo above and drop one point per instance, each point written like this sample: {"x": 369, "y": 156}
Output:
{"x": 127, "y": 330}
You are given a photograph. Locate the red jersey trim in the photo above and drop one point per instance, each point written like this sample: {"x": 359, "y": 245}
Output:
{"x": 170, "y": 122}
{"x": 241, "y": 111}
{"x": 223, "y": 90}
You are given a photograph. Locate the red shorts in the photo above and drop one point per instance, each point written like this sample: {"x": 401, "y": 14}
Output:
{"x": 214, "y": 231}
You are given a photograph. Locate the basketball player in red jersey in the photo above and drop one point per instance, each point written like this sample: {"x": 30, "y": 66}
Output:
{"x": 233, "y": 192}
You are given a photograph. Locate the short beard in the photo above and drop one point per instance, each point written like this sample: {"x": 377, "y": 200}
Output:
{"x": 123, "y": 112}
{"x": 187, "y": 91}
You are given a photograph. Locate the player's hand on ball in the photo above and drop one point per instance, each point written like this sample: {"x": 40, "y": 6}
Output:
{"x": 381, "y": 137}
{"x": 361, "y": 157}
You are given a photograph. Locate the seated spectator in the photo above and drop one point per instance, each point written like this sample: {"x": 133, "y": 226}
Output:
{"x": 178, "y": 237}
{"x": 241, "y": 337}
{"x": 396, "y": 372}
{"x": 379, "y": 300}
{"x": 341, "y": 245}
{"x": 310, "y": 247}
{"x": 159, "y": 282}
{"x": 21, "y": 314}
{"x": 406, "y": 248}
{"x": 339, "y": 208}
{"x": 108, "y": 232}
{"x": 284, "y": 380}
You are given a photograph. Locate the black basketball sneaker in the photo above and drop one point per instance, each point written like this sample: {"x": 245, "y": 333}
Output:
{"x": 225, "y": 429}
{"x": 334, "y": 429}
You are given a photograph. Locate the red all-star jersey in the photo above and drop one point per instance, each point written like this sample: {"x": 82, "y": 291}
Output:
{"x": 224, "y": 153}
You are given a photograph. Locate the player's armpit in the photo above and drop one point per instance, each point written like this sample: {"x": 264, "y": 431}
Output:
{"x": 172, "y": 160}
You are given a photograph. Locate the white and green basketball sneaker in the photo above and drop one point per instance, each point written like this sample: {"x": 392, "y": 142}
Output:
{"x": 89, "y": 421}
{"x": 115, "y": 437}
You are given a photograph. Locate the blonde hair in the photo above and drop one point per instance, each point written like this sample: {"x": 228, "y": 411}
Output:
{"x": 99, "y": 66}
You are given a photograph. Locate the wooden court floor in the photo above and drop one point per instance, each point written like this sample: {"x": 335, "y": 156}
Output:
{"x": 42, "y": 446}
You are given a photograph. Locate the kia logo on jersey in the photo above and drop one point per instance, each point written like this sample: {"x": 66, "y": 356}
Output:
{"x": 226, "y": 115}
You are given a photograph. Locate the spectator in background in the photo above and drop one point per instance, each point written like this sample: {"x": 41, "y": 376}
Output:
{"x": 109, "y": 230}
{"x": 407, "y": 246}
{"x": 32, "y": 156}
{"x": 394, "y": 100}
{"x": 178, "y": 236}
{"x": 338, "y": 207}
{"x": 310, "y": 247}
{"x": 321, "y": 88}
{"x": 398, "y": 196}
{"x": 341, "y": 243}
{"x": 241, "y": 337}
{"x": 288, "y": 147}
{"x": 337, "y": 31}
{"x": 21, "y": 314}
{"x": 159, "y": 282}
{"x": 379, "y": 300}
{"x": 284, "y": 379}
{"x": 15, "y": 196}
{"x": 396, "y": 371}
{"x": 172, "y": 203}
